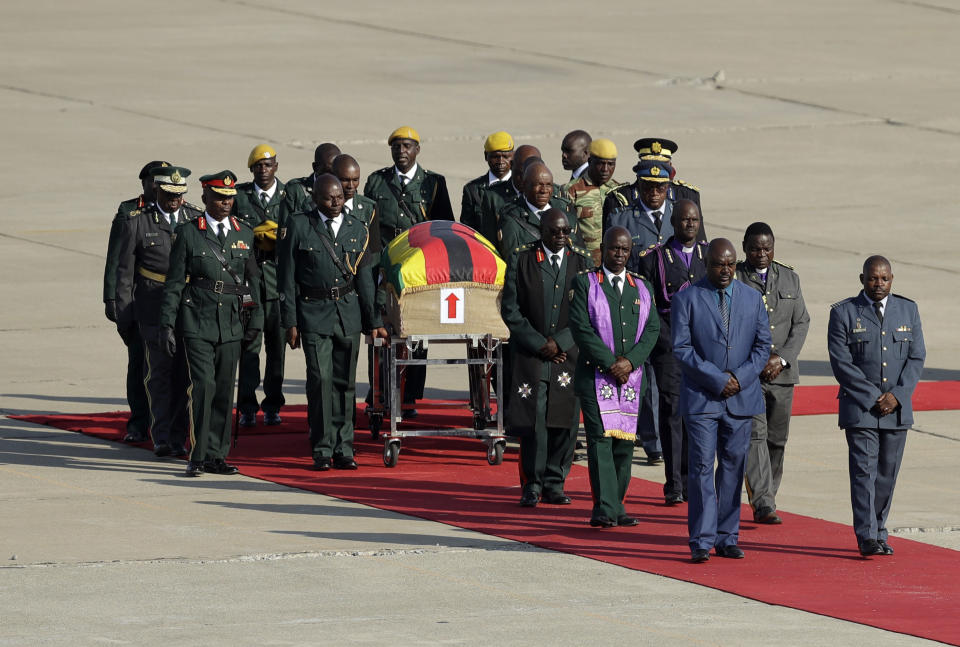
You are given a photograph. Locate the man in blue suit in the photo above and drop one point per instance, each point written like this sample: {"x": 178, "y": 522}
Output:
{"x": 876, "y": 352}
{"x": 721, "y": 339}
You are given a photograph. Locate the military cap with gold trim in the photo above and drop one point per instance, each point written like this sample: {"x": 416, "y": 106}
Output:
{"x": 404, "y": 132}
{"x": 171, "y": 179}
{"x": 498, "y": 141}
{"x": 149, "y": 167}
{"x": 261, "y": 152}
{"x": 652, "y": 170}
{"x": 224, "y": 182}
{"x": 655, "y": 146}
{"x": 603, "y": 149}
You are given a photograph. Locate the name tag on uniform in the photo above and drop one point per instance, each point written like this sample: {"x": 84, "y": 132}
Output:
{"x": 152, "y": 233}
{"x": 859, "y": 330}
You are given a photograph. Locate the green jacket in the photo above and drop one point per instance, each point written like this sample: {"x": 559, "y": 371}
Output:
{"x": 471, "y": 213}
{"x": 113, "y": 244}
{"x": 625, "y": 313}
{"x": 306, "y": 264}
{"x": 364, "y": 209}
{"x": 519, "y": 226}
{"x": 300, "y": 192}
{"x": 249, "y": 209}
{"x": 426, "y": 198}
{"x": 198, "y": 312}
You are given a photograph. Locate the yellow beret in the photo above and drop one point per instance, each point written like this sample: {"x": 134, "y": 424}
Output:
{"x": 404, "y": 132}
{"x": 604, "y": 149}
{"x": 261, "y": 152}
{"x": 265, "y": 235}
{"x": 498, "y": 141}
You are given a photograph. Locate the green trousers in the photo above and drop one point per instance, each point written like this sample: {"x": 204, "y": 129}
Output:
{"x": 139, "y": 420}
{"x": 331, "y": 392}
{"x": 273, "y": 338}
{"x": 212, "y": 370}
{"x": 608, "y": 461}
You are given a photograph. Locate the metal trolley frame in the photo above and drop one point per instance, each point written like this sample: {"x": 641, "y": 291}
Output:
{"x": 483, "y": 351}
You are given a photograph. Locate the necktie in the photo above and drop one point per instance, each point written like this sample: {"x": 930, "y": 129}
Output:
{"x": 878, "y": 308}
{"x": 329, "y": 223}
{"x": 616, "y": 283}
{"x": 724, "y": 309}
{"x": 264, "y": 199}
{"x": 540, "y": 214}
{"x": 657, "y": 219}
{"x": 222, "y": 234}
{"x": 404, "y": 181}
{"x": 555, "y": 261}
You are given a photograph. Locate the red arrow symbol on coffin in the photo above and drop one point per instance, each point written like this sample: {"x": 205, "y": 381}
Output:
{"x": 452, "y": 305}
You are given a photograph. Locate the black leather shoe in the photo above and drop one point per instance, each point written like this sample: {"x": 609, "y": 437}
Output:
{"x": 887, "y": 550}
{"x": 409, "y": 414}
{"x": 730, "y": 552}
{"x": 321, "y": 464}
{"x": 271, "y": 418}
{"x": 870, "y": 547}
{"x": 700, "y": 555}
{"x": 178, "y": 450}
{"x": 627, "y": 521}
{"x": 655, "y": 458}
{"x": 194, "y": 469}
{"x": 529, "y": 500}
{"x": 162, "y": 450}
{"x": 219, "y": 466}
{"x": 556, "y": 499}
{"x": 344, "y": 463}
{"x": 602, "y": 522}
{"x": 248, "y": 420}
{"x": 673, "y": 499}
{"x": 767, "y": 516}
{"x": 134, "y": 437}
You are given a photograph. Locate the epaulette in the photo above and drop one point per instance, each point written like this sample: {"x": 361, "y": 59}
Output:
{"x": 645, "y": 252}
{"x": 789, "y": 267}
{"x": 900, "y": 296}
{"x": 689, "y": 186}
{"x": 190, "y": 205}
{"x": 840, "y": 303}
{"x": 587, "y": 271}
{"x": 526, "y": 246}
{"x": 135, "y": 213}
{"x": 581, "y": 251}
{"x": 237, "y": 222}
{"x": 632, "y": 273}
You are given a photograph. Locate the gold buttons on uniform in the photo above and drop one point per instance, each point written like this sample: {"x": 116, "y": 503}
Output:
{"x": 884, "y": 363}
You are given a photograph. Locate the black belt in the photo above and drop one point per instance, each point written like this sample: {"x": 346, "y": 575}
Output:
{"x": 219, "y": 286}
{"x": 326, "y": 293}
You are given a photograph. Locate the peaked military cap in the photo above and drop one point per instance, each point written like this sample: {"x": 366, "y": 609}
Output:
{"x": 655, "y": 146}
{"x": 224, "y": 182}
{"x": 652, "y": 170}
{"x": 172, "y": 179}
{"x": 149, "y": 167}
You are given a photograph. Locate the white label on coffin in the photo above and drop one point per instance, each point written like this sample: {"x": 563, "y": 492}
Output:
{"x": 451, "y": 305}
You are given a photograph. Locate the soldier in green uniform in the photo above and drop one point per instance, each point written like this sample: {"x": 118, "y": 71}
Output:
{"x": 301, "y": 189}
{"x": 406, "y": 193}
{"x": 328, "y": 299}
{"x": 209, "y": 294}
{"x": 540, "y": 405}
{"x": 615, "y": 328}
{"x": 359, "y": 207}
{"x": 520, "y": 219}
{"x": 589, "y": 191}
{"x": 264, "y": 205}
{"x": 139, "y": 420}
{"x": 498, "y": 153}
{"x": 145, "y": 242}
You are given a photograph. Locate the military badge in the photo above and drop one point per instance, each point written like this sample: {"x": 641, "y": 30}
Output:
{"x": 606, "y": 392}
{"x": 656, "y": 147}
{"x": 629, "y": 394}
{"x": 175, "y": 177}
{"x": 241, "y": 245}
{"x": 525, "y": 391}
{"x": 227, "y": 181}
{"x": 564, "y": 379}
{"x": 655, "y": 171}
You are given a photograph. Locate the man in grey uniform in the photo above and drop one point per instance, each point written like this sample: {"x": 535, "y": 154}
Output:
{"x": 789, "y": 321}
{"x": 877, "y": 353}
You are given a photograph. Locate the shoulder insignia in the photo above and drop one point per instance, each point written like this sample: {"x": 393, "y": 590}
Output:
{"x": 789, "y": 267}
{"x": 840, "y": 303}
{"x": 202, "y": 223}
{"x": 900, "y": 296}
{"x": 527, "y": 246}
{"x": 646, "y": 251}
{"x": 687, "y": 184}
{"x": 236, "y": 223}
{"x": 540, "y": 255}
{"x": 632, "y": 278}
{"x": 135, "y": 213}
{"x": 581, "y": 251}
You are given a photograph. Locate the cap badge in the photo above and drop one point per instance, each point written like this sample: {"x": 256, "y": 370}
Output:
{"x": 655, "y": 171}
{"x": 175, "y": 177}
{"x": 656, "y": 147}
{"x": 227, "y": 181}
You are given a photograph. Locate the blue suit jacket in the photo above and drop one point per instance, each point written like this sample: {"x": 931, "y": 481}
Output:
{"x": 644, "y": 235}
{"x": 869, "y": 359}
{"x": 706, "y": 353}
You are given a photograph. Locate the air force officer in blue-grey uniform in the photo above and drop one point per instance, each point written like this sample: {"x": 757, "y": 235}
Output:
{"x": 721, "y": 339}
{"x": 876, "y": 352}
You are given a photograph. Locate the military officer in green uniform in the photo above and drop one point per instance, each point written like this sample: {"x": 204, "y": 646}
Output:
{"x": 540, "y": 405}
{"x": 406, "y": 193}
{"x": 789, "y": 322}
{"x": 520, "y": 219}
{"x": 328, "y": 299}
{"x": 264, "y": 205}
{"x": 590, "y": 189}
{"x": 615, "y": 327}
{"x": 139, "y": 420}
{"x": 145, "y": 243}
{"x": 300, "y": 189}
{"x": 210, "y": 299}
{"x": 498, "y": 154}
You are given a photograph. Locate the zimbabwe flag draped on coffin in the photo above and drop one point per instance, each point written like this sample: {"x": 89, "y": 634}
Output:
{"x": 440, "y": 268}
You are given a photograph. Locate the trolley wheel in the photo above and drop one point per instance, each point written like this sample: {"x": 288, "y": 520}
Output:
{"x": 495, "y": 453}
{"x": 391, "y": 453}
{"x": 376, "y": 420}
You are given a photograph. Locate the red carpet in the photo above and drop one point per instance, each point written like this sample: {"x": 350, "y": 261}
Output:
{"x": 806, "y": 563}
{"x": 929, "y": 396}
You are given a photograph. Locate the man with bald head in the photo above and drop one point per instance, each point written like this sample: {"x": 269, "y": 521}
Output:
{"x": 721, "y": 339}
{"x": 327, "y": 296}
{"x": 301, "y": 189}
{"x": 520, "y": 219}
{"x": 876, "y": 348}
{"x": 574, "y": 152}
